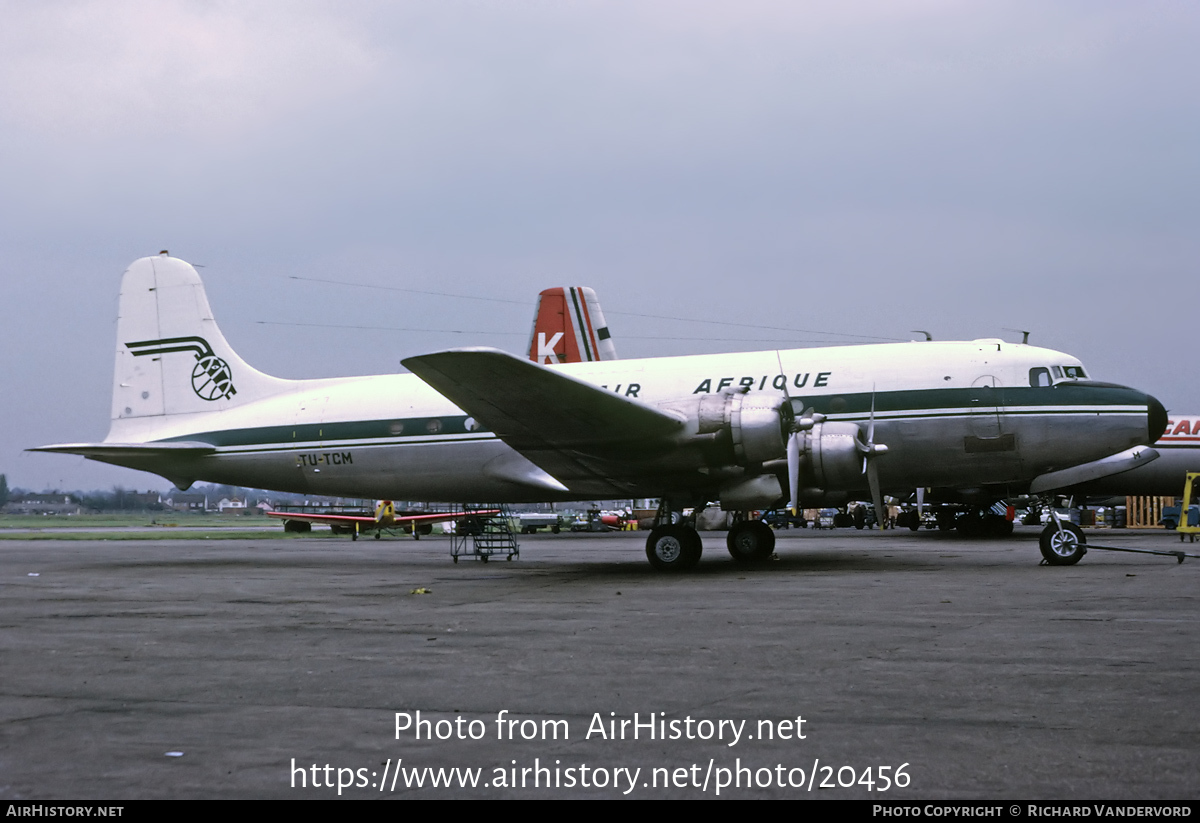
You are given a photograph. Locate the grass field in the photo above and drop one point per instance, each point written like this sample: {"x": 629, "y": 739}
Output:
{"x": 153, "y": 519}
{"x": 147, "y": 526}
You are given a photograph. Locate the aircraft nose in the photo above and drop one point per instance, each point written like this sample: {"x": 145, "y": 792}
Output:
{"x": 1156, "y": 418}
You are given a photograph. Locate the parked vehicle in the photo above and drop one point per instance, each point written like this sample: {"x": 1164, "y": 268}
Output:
{"x": 530, "y": 522}
{"x": 1170, "y": 516}
{"x": 783, "y": 519}
{"x": 826, "y": 518}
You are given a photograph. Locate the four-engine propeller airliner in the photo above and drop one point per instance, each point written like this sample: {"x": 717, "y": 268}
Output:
{"x": 978, "y": 420}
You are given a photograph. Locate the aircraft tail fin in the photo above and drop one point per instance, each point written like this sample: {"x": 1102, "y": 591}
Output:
{"x": 568, "y": 327}
{"x": 171, "y": 357}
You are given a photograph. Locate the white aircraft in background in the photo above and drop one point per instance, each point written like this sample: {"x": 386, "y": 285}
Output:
{"x": 982, "y": 420}
{"x": 1178, "y": 453}
{"x": 1167, "y": 476}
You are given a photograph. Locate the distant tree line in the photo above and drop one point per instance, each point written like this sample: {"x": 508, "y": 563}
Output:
{"x": 120, "y": 499}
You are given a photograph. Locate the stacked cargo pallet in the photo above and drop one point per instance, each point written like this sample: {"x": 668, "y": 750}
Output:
{"x": 1145, "y": 512}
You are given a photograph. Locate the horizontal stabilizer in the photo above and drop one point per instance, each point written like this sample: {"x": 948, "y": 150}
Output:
{"x": 1104, "y": 467}
{"x": 174, "y": 461}
{"x": 107, "y": 451}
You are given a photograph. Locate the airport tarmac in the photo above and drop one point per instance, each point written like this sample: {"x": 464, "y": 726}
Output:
{"x": 949, "y": 668}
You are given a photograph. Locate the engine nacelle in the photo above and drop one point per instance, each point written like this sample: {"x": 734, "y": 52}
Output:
{"x": 831, "y": 457}
{"x": 736, "y": 427}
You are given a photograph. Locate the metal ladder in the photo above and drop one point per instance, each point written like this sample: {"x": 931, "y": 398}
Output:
{"x": 483, "y": 535}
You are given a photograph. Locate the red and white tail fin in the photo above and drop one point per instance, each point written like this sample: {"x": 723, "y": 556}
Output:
{"x": 568, "y": 327}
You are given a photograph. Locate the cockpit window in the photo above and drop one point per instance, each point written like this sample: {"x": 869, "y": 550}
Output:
{"x": 1060, "y": 373}
{"x": 1039, "y": 377}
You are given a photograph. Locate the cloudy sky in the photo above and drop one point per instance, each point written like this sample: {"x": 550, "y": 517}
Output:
{"x": 808, "y": 173}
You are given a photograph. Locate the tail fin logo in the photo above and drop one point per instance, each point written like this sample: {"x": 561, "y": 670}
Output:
{"x": 211, "y": 378}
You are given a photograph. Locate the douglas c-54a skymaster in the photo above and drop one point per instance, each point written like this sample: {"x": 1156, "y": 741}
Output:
{"x": 974, "y": 421}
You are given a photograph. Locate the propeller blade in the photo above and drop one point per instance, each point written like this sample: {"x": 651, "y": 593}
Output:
{"x": 793, "y": 459}
{"x": 876, "y": 494}
{"x": 921, "y": 502}
{"x": 871, "y": 421}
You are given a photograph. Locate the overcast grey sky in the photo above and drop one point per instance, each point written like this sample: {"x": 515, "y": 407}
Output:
{"x": 840, "y": 168}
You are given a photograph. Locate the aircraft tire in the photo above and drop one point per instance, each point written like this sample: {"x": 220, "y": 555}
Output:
{"x": 750, "y": 541}
{"x": 673, "y": 548}
{"x": 1065, "y": 549}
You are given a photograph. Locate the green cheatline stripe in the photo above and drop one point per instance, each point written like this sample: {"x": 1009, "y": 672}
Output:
{"x": 1009, "y": 398}
{"x": 914, "y": 405}
{"x": 396, "y": 428}
{"x": 325, "y": 446}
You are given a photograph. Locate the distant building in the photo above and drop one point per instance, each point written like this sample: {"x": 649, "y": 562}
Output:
{"x": 42, "y": 504}
{"x": 234, "y": 506}
{"x": 187, "y": 502}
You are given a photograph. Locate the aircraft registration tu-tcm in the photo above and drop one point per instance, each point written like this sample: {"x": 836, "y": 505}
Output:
{"x": 972, "y": 422}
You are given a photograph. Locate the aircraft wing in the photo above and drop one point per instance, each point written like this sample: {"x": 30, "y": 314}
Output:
{"x": 574, "y": 430}
{"x": 330, "y": 519}
{"x": 403, "y": 520}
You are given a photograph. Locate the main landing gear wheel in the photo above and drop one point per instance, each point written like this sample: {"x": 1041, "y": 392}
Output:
{"x": 673, "y": 548}
{"x": 1062, "y": 548}
{"x": 750, "y": 541}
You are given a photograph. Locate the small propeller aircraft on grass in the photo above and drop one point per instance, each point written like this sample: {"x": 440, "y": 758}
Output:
{"x": 385, "y": 519}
